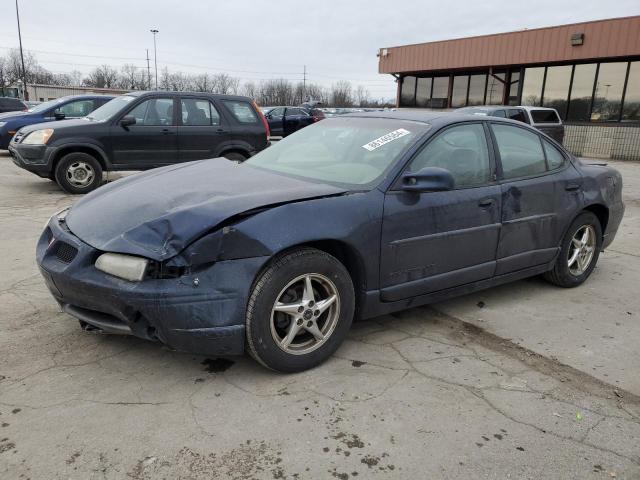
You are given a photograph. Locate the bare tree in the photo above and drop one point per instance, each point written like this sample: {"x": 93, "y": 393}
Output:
{"x": 203, "y": 83}
{"x": 225, "y": 84}
{"x": 132, "y": 78}
{"x": 362, "y": 96}
{"x": 102, "y": 77}
{"x": 165, "y": 79}
{"x": 250, "y": 89}
{"x": 341, "y": 94}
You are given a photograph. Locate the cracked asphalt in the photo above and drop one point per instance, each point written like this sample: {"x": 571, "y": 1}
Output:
{"x": 449, "y": 391}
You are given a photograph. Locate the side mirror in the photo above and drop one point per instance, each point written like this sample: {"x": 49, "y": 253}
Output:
{"x": 127, "y": 121}
{"x": 268, "y": 115}
{"x": 429, "y": 179}
{"x": 59, "y": 115}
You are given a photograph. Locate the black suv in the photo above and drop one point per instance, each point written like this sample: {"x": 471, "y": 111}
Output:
{"x": 139, "y": 131}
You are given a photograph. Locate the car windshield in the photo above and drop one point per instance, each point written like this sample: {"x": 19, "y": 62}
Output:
{"x": 348, "y": 151}
{"x": 110, "y": 108}
{"x": 46, "y": 105}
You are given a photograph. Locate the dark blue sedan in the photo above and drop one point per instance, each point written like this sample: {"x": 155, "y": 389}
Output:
{"x": 358, "y": 215}
{"x": 74, "y": 106}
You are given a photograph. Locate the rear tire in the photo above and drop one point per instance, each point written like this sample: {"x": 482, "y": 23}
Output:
{"x": 235, "y": 157}
{"x": 289, "y": 329}
{"x": 579, "y": 252}
{"x": 78, "y": 172}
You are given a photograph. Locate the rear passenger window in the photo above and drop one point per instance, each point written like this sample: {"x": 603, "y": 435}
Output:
{"x": 462, "y": 150}
{"x": 198, "y": 112}
{"x": 499, "y": 113}
{"x": 294, "y": 111}
{"x": 517, "y": 115}
{"x": 520, "y": 151}
{"x": 544, "y": 116}
{"x": 242, "y": 111}
{"x": 555, "y": 159}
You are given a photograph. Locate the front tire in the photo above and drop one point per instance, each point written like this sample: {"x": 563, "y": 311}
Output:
{"x": 235, "y": 157}
{"x": 300, "y": 311}
{"x": 78, "y": 172}
{"x": 579, "y": 252}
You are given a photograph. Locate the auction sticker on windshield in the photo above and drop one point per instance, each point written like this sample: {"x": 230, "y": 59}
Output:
{"x": 383, "y": 140}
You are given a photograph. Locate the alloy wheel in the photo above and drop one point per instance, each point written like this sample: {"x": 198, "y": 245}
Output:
{"x": 581, "y": 250}
{"x": 305, "y": 314}
{"x": 80, "y": 174}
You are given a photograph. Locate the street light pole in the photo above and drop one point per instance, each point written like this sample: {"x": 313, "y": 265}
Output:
{"x": 25, "y": 94}
{"x": 155, "y": 53}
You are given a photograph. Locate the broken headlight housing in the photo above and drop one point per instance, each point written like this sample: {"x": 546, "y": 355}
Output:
{"x": 127, "y": 267}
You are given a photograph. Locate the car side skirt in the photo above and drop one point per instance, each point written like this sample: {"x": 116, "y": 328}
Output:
{"x": 373, "y": 305}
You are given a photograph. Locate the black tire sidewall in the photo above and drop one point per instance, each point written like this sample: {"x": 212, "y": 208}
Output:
{"x": 281, "y": 271}
{"x": 562, "y": 269}
{"x": 235, "y": 156}
{"x": 63, "y": 165}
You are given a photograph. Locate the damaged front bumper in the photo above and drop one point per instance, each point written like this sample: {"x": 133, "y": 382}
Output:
{"x": 200, "y": 312}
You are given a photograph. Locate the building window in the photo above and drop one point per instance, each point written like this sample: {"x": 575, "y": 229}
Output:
{"x": 477, "y": 85}
{"x": 581, "y": 92}
{"x": 631, "y": 108}
{"x": 495, "y": 88}
{"x": 423, "y": 92}
{"x": 513, "y": 88}
{"x": 459, "y": 92}
{"x": 556, "y": 89}
{"x": 408, "y": 92}
{"x": 532, "y": 86}
{"x": 607, "y": 98}
{"x": 440, "y": 95}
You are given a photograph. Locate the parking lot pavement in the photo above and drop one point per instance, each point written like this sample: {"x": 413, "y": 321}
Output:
{"x": 420, "y": 394}
{"x": 594, "y": 328}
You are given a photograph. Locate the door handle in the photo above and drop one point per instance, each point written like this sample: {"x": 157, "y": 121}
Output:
{"x": 166, "y": 131}
{"x": 486, "y": 202}
{"x": 221, "y": 131}
{"x": 572, "y": 187}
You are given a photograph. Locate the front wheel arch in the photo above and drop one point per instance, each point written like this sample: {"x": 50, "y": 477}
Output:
{"x": 345, "y": 254}
{"x": 94, "y": 152}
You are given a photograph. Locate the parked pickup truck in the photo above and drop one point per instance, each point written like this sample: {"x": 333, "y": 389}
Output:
{"x": 544, "y": 119}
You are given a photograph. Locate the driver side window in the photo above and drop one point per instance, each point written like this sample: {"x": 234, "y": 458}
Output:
{"x": 462, "y": 150}
{"x": 155, "y": 111}
{"x": 77, "y": 109}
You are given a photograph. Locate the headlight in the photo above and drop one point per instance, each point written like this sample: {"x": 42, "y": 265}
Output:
{"x": 128, "y": 267}
{"x": 39, "y": 137}
{"x": 2, "y": 124}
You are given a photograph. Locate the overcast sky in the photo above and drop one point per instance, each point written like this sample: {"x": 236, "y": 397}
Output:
{"x": 254, "y": 39}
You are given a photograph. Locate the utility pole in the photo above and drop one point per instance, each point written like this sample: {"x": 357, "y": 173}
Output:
{"x": 155, "y": 53}
{"x": 25, "y": 94}
{"x": 148, "y": 70}
{"x": 304, "y": 84}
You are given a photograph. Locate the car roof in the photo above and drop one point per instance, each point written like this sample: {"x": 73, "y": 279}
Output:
{"x": 415, "y": 115}
{"x": 437, "y": 119}
{"x": 528, "y": 107}
{"x": 140, "y": 93}
{"x": 72, "y": 97}
{"x": 484, "y": 107}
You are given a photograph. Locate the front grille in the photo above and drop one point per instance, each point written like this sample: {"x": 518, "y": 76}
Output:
{"x": 65, "y": 252}
{"x": 17, "y": 137}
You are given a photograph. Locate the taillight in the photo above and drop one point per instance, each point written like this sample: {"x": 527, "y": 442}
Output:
{"x": 264, "y": 120}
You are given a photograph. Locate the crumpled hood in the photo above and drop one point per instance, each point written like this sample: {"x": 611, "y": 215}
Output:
{"x": 158, "y": 213}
